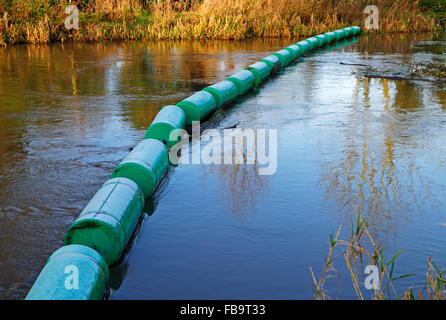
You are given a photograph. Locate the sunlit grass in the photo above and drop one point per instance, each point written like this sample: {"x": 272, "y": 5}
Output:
{"x": 360, "y": 250}
{"x": 40, "y": 21}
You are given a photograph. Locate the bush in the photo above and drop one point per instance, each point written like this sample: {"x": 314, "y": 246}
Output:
{"x": 437, "y": 6}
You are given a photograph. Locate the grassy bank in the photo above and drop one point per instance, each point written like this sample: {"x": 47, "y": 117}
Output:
{"x": 42, "y": 21}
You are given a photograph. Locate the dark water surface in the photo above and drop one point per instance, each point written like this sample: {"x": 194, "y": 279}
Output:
{"x": 70, "y": 113}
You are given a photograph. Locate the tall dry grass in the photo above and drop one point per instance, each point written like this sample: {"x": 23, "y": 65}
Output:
{"x": 240, "y": 19}
{"x": 362, "y": 249}
{"x": 116, "y": 9}
{"x": 42, "y": 21}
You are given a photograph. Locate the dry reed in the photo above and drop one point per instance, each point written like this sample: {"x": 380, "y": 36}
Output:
{"x": 42, "y": 21}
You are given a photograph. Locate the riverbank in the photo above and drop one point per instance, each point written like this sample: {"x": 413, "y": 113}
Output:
{"x": 42, "y": 21}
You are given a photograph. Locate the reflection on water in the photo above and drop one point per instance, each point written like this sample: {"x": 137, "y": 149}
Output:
{"x": 378, "y": 172}
{"x": 239, "y": 183}
{"x": 70, "y": 113}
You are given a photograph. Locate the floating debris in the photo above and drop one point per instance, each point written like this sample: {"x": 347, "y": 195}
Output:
{"x": 412, "y": 71}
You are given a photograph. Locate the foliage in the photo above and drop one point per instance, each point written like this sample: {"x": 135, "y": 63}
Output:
{"x": 361, "y": 249}
{"x": 42, "y": 21}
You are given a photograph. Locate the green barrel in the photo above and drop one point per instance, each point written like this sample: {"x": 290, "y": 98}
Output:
{"x": 272, "y": 61}
{"x": 109, "y": 219}
{"x": 296, "y": 51}
{"x": 349, "y": 31}
{"x": 198, "y": 106}
{"x": 144, "y": 165}
{"x": 314, "y": 42}
{"x": 293, "y": 53}
{"x": 73, "y": 272}
{"x": 331, "y": 36}
{"x": 305, "y": 45}
{"x": 168, "y": 119}
{"x": 260, "y": 70}
{"x": 323, "y": 40}
{"x": 223, "y": 92}
{"x": 284, "y": 56}
{"x": 340, "y": 34}
{"x": 356, "y": 29}
{"x": 244, "y": 80}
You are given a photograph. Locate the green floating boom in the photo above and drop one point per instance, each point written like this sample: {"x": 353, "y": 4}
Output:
{"x": 340, "y": 34}
{"x": 168, "y": 119}
{"x": 73, "y": 272}
{"x": 357, "y": 30}
{"x": 244, "y": 80}
{"x": 273, "y": 62}
{"x": 261, "y": 71}
{"x": 331, "y": 36}
{"x": 323, "y": 40}
{"x": 296, "y": 51}
{"x": 284, "y": 56}
{"x": 315, "y": 42}
{"x": 109, "y": 219}
{"x": 144, "y": 165}
{"x": 305, "y": 45}
{"x": 224, "y": 92}
{"x": 103, "y": 229}
{"x": 312, "y": 44}
{"x": 350, "y": 31}
{"x": 198, "y": 106}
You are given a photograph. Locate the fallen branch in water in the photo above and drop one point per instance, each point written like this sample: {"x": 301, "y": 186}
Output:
{"x": 233, "y": 126}
{"x": 404, "y": 78}
{"x": 354, "y": 64}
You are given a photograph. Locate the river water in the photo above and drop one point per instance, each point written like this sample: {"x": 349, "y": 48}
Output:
{"x": 70, "y": 113}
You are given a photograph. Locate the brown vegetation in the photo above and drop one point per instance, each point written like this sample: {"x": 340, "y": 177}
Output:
{"x": 360, "y": 250}
{"x": 42, "y": 21}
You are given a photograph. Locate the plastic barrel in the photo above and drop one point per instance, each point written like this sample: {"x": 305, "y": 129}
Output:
{"x": 314, "y": 42}
{"x": 260, "y": 70}
{"x": 357, "y": 30}
{"x": 144, "y": 165}
{"x": 244, "y": 80}
{"x": 296, "y": 51}
{"x": 168, "y": 119}
{"x": 352, "y": 31}
{"x": 311, "y": 43}
{"x": 284, "y": 56}
{"x": 349, "y": 31}
{"x": 273, "y": 62}
{"x": 340, "y": 34}
{"x": 323, "y": 40}
{"x": 223, "y": 92}
{"x": 198, "y": 106}
{"x": 305, "y": 45}
{"x": 109, "y": 219}
{"x": 331, "y": 36}
{"x": 72, "y": 272}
